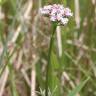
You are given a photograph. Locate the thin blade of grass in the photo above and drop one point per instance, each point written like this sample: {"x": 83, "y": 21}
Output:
{"x": 78, "y": 88}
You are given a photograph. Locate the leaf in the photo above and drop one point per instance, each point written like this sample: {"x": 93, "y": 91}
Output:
{"x": 54, "y": 60}
{"x": 53, "y": 79}
{"x": 78, "y": 88}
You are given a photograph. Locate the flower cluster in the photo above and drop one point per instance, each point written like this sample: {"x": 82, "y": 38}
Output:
{"x": 57, "y": 13}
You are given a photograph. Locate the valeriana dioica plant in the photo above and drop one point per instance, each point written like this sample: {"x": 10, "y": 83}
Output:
{"x": 59, "y": 15}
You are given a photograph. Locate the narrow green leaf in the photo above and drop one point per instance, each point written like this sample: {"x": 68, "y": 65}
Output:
{"x": 78, "y": 88}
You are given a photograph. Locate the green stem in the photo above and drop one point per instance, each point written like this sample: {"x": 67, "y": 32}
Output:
{"x": 11, "y": 76}
{"x": 12, "y": 80}
{"x": 49, "y": 59}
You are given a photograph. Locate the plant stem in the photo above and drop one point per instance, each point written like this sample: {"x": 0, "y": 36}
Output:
{"x": 49, "y": 58}
{"x": 12, "y": 80}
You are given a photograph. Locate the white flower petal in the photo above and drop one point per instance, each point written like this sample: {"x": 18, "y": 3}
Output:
{"x": 64, "y": 21}
{"x": 68, "y": 12}
{"x": 57, "y": 12}
{"x": 53, "y": 18}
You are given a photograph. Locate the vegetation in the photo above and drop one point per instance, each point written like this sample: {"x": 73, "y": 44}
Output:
{"x": 70, "y": 68}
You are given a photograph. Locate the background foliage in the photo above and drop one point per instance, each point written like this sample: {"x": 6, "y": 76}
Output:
{"x": 24, "y": 42}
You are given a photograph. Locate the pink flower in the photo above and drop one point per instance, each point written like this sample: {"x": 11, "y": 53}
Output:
{"x": 53, "y": 18}
{"x": 59, "y": 16}
{"x": 46, "y": 10}
{"x": 67, "y": 12}
{"x": 64, "y": 21}
{"x": 57, "y": 13}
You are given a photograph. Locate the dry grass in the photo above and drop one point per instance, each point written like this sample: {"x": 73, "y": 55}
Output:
{"x": 24, "y": 41}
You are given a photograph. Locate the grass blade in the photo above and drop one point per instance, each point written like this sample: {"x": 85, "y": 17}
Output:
{"x": 78, "y": 88}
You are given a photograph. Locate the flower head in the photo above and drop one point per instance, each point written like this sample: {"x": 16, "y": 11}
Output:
{"x": 46, "y": 10}
{"x": 57, "y": 13}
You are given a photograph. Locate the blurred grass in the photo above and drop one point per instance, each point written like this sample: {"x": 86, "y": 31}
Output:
{"x": 78, "y": 60}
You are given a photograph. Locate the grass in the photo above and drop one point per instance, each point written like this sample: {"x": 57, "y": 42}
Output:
{"x": 24, "y": 45}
